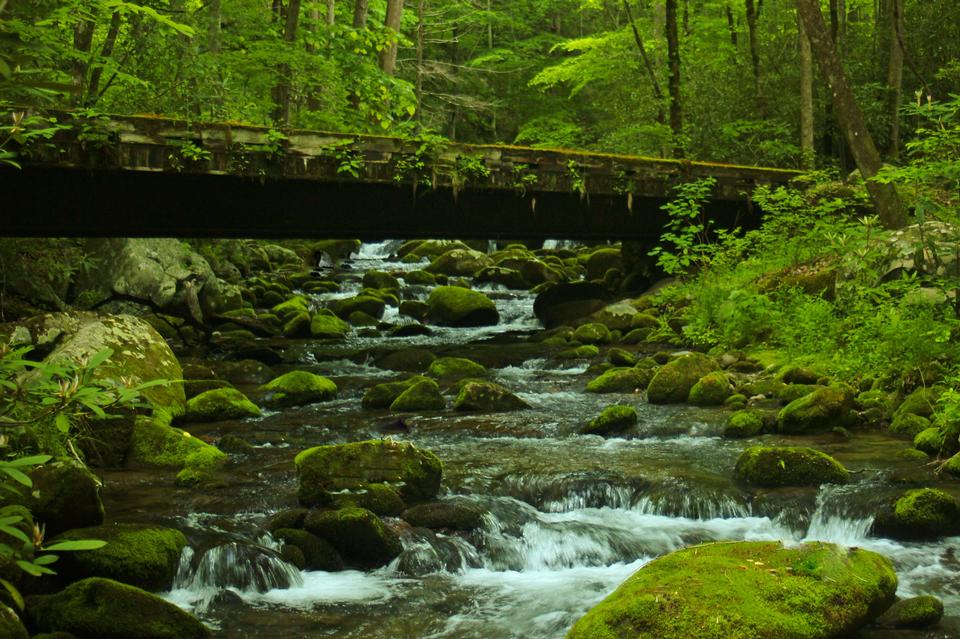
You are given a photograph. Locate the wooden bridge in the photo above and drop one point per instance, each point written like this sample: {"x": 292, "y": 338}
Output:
{"x": 152, "y": 176}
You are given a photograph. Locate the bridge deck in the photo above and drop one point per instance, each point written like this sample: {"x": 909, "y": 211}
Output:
{"x": 150, "y": 176}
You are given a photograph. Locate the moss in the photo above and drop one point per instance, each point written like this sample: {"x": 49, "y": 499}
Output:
{"x": 746, "y": 590}
{"x": 672, "y": 383}
{"x": 482, "y": 396}
{"x": 612, "y": 419}
{"x": 379, "y": 279}
{"x": 318, "y": 554}
{"x": 380, "y": 499}
{"x": 924, "y": 513}
{"x": 143, "y": 556}
{"x": 297, "y": 325}
{"x": 765, "y": 387}
{"x": 712, "y": 389}
{"x": 445, "y": 515}
{"x": 371, "y": 305}
{"x": 789, "y": 466}
{"x": 297, "y": 388}
{"x": 792, "y": 392}
{"x": 454, "y": 368}
{"x": 743, "y": 423}
{"x": 421, "y": 396}
{"x": 155, "y": 444}
{"x": 586, "y": 351}
{"x": 908, "y": 425}
{"x": 218, "y": 405}
{"x": 65, "y": 495}
{"x": 290, "y": 518}
{"x": 10, "y": 625}
{"x": 621, "y": 380}
{"x": 357, "y": 534}
{"x": 382, "y": 395}
{"x": 420, "y": 278}
{"x": 737, "y": 401}
{"x": 621, "y": 357}
{"x": 326, "y": 326}
{"x": 797, "y": 375}
{"x": 412, "y": 360}
{"x": 875, "y": 399}
{"x": 920, "y": 402}
{"x": 953, "y": 465}
{"x": 822, "y": 409}
{"x": 915, "y": 612}
{"x": 594, "y": 333}
{"x": 107, "y": 609}
{"x": 455, "y": 306}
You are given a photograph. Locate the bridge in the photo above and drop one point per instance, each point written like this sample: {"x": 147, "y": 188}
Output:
{"x": 153, "y": 176}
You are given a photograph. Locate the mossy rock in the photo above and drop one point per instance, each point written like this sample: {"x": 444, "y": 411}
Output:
{"x": 746, "y": 590}
{"x": 712, "y": 389}
{"x": 953, "y": 465}
{"x": 877, "y": 400}
{"x": 99, "y": 608}
{"x": 916, "y": 612}
{"x": 297, "y": 325}
{"x": 459, "y": 262}
{"x": 766, "y": 387}
{"x": 594, "y": 333}
{"x": 298, "y": 388}
{"x": 143, "y": 556}
{"x": 294, "y": 305}
{"x": 328, "y": 326}
{"x": 382, "y": 395}
{"x": 157, "y": 445}
{"x": 323, "y": 470}
{"x": 419, "y": 278}
{"x": 822, "y": 409}
{"x": 612, "y": 420}
{"x": 218, "y": 405}
{"x": 65, "y": 495}
{"x": 10, "y": 625}
{"x": 742, "y": 424}
{"x": 924, "y": 513}
{"x": 318, "y": 554}
{"x": 920, "y": 402}
{"x": 381, "y": 499}
{"x": 423, "y": 395}
{"x": 792, "y": 392}
{"x": 797, "y": 375}
{"x": 773, "y": 466}
{"x": 623, "y": 358}
{"x": 672, "y": 383}
{"x": 908, "y": 426}
{"x": 600, "y": 261}
{"x": 235, "y": 445}
{"x": 737, "y": 401}
{"x": 357, "y": 534}
{"x": 411, "y": 360}
{"x": 586, "y": 351}
{"x": 621, "y": 380}
{"x": 414, "y": 308}
{"x": 444, "y": 515}
{"x": 929, "y": 441}
{"x": 371, "y": 305}
{"x": 508, "y": 277}
{"x": 455, "y": 306}
{"x": 488, "y": 397}
{"x": 379, "y": 279}
{"x": 455, "y": 368}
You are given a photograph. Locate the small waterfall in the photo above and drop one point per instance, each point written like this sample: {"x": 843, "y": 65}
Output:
{"x": 835, "y": 518}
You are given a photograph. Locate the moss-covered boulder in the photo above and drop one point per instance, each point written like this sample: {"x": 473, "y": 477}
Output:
{"x": 10, "y": 625}
{"x": 455, "y": 306}
{"x": 611, "y": 420}
{"x": 218, "y": 405}
{"x": 379, "y": 279}
{"x": 773, "y": 466}
{"x": 916, "y": 612}
{"x": 712, "y": 389}
{"x": 323, "y": 470}
{"x": 908, "y": 426}
{"x": 791, "y": 374}
{"x": 357, "y": 534}
{"x": 293, "y": 306}
{"x": 459, "y": 262}
{"x": 371, "y": 305}
{"x": 508, "y": 277}
{"x": 297, "y": 388}
{"x": 382, "y": 395}
{"x": 566, "y": 302}
{"x": 584, "y": 351}
{"x": 318, "y": 554}
{"x": 420, "y": 396}
{"x": 602, "y": 260}
{"x": 920, "y": 402}
{"x": 924, "y": 513}
{"x": 157, "y": 445}
{"x": 823, "y": 409}
{"x": 65, "y": 495}
{"x": 419, "y": 278}
{"x": 743, "y": 423}
{"x": 672, "y": 383}
{"x": 746, "y": 590}
{"x": 455, "y": 368}
{"x": 143, "y": 556}
{"x": 621, "y": 380}
{"x": 929, "y": 441}
{"x": 487, "y": 397}
{"x": 297, "y": 325}
{"x": 326, "y": 325}
{"x": 593, "y": 333}
{"x": 622, "y": 358}
{"x": 381, "y": 499}
{"x": 445, "y": 515}
{"x": 99, "y": 608}
{"x": 792, "y": 392}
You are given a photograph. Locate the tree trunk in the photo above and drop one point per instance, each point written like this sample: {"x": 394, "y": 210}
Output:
{"x": 83, "y": 43}
{"x": 214, "y": 24}
{"x": 673, "y": 56}
{"x": 331, "y": 12}
{"x": 421, "y": 28}
{"x": 755, "y": 59}
{"x": 850, "y": 117}
{"x": 388, "y": 57}
{"x": 807, "y": 154}
{"x": 93, "y": 91}
{"x": 283, "y": 89}
{"x": 895, "y": 77}
{"x": 731, "y": 26}
{"x": 360, "y": 10}
{"x": 657, "y": 92}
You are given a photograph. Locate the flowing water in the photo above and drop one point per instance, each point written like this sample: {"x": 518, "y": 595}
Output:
{"x": 569, "y": 516}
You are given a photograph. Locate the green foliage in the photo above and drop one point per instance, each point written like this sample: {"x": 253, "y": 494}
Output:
{"x": 472, "y": 169}
{"x": 188, "y": 154}
{"x": 685, "y": 241}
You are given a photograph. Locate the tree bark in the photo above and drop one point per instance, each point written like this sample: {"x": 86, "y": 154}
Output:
{"x": 731, "y": 26}
{"x": 214, "y": 24}
{"x": 284, "y": 87}
{"x": 93, "y": 90}
{"x": 360, "y": 10}
{"x": 673, "y": 57}
{"x": 755, "y": 59}
{"x": 655, "y": 84}
{"x": 331, "y": 12}
{"x": 850, "y": 117}
{"x": 83, "y": 43}
{"x": 895, "y": 77}
{"x": 388, "y": 57}
{"x": 807, "y": 153}
{"x": 421, "y": 28}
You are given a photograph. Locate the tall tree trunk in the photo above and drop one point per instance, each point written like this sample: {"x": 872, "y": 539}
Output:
{"x": 283, "y": 89}
{"x": 655, "y": 84}
{"x": 109, "y": 42}
{"x": 421, "y": 28}
{"x": 850, "y": 117}
{"x": 214, "y": 27}
{"x": 731, "y": 26}
{"x": 755, "y": 59}
{"x": 807, "y": 153}
{"x": 673, "y": 57}
{"x": 331, "y": 12}
{"x": 895, "y": 77}
{"x": 83, "y": 43}
{"x": 360, "y": 10}
{"x": 388, "y": 57}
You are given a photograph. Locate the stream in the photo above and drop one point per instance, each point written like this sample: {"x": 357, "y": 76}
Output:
{"x": 569, "y": 518}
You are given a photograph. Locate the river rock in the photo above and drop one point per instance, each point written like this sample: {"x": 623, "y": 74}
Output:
{"x": 503, "y": 276}
{"x": 429, "y": 248}
{"x": 612, "y": 420}
{"x": 97, "y": 608}
{"x": 459, "y": 263}
{"x": 908, "y": 426}
{"x": 379, "y": 279}
{"x": 326, "y": 325}
{"x": 382, "y": 395}
{"x": 920, "y": 402}
{"x": 324, "y": 470}
{"x": 445, "y": 515}
{"x": 364, "y": 303}
{"x": 601, "y": 261}
{"x": 929, "y": 441}
{"x": 745, "y": 590}
{"x": 916, "y": 612}
{"x": 412, "y": 360}
{"x": 924, "y": 513}
{"x": 621, "y": 380}
{"x": 143, "y": 556}
{"x": 797, "y": 375}
{"x": 672, "y": 383}
{"x": 455, "y": 306}
{"x": 593, "y": 333}
{"x": 822, "y": 409}
{"x": 743, "y": 423}
{"x": 10, "y": 625}
{"x": 297, "y": 388}
{"x": 712, "y": 389}
{"x": 219, "y": 405}
{"x": 318, "y": 554}
{"x": 65, "y": 495}
{"x": 482, "y": 396}
{"x": 623, "y": 358}
{"x": 156, "y": 445}
{"x": 773, "y": 466}
{"x": 455, "y": 368}
{"x": 357, "y": 534}
{"x": 566, "y": 302}
{"x": 423, "y": 395}
{"x": 414, "y": 308}
{"x": 380, "y": 499}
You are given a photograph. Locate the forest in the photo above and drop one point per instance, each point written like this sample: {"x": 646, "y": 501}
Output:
{"x": 717, "y": 429}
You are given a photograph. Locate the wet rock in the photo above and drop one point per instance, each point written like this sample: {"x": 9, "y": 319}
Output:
{"x": 297, "y": 388}
{"x": 380, "y": 499}
{"x": 920, "y": 402}
{"x": 295, "y": 305}
{"x": 156, "y": 445}
{"x": 566, "y": 302}
{"x": 929, "y": 441}
{"x": 611, "y": 420}
{"x": 413, "y": 329}
{"x": 773, "y": 466}
{"x": 601, "y": 261}
{"x": 797, "y": 375}
{"x": 622, "y": 358}
{"x": 743, "y": 590}
{"x": 423, "y": 395}
{"x": 291, "y": 518}
{"x": 924, "y": 513}
{"x": 143, "y": 556}
{"x": 916, "y": 612}
{"x": 908, "y": 426}
{"x": 326, "y": 325}
{"x": 65, "y": 495}
{"x": 382, "y": 395}
{"x": 108, "y": 448}
{"x": 219, "y": 405}
{"x": 367, "y": 304}
{"x": 459, "y": 263}
{"x": 455, "y": 306}
{"x": 712, "y": 389}
{"x": 586, "y": 351}
{"x": 792, "y": 392}
{"x": 429, "y": 248}
{"x": 235, "y": 445}
{"x": 10, "y": 625}
{"x": 324, "y": 470}
{"x": 672, "y": 383}
{"x": 875, "y": 400}
{"x": 419, "y": 278}
{"x": 379, "y": 279}
{"x": 247, "y": 371}
{"x": 318, "y": 554}
{"x": 504, "y": 276}
{"x": 592, "y": 334}
{"x": 621, "y": 380}
{"x": 357, "y": 534}
{"x": 743, "y": 423}
{"x": 297, "y": 325}
{"x": 98, "y": 608}
{"x": 822, "y": 409}
{"x": 445, "y": 515}
{"x": 483, "y": 396}
{"x": 455, "y": 368}
{"x": 414, "y": 308}
{"x": 412, "y": 360}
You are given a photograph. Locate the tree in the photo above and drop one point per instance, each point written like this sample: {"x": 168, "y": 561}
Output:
{"x": 807, "y": 153}
{"x": 752, "y": 15}
{"x": 283, "y": 89}
{"x": 673, "y": 55}
{"x": 388, "y": 57}
{"x": 895, "y": 76}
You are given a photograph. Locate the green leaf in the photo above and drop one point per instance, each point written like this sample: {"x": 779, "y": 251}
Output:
{"x": 34, "y": 460}
{"x": 100, "y": 358}
{"x": 76, "y": 544}
{"x": 18, "y": 476}
{"x": 45, "y": 560}
{"x": 16, "y": 533}
{"x": 62, "y": 423}
{"x": 13, "y": 592}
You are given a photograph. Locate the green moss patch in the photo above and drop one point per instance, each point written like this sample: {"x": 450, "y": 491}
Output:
{"x": 297, "y": 388}
{"x": 488, "y": 397}
{"x": 822, "y": 409}
{"x": 672, "y": 383}
{"x": 712, "y": 389}
{"x": 455, "y": 368}
{"x": 924, "y": 513}
{"x": 612, "y": 419}
{"x": 423, "y": 395}
{"x": 382, "y": 395}
{"x": 357, "y": 534}
{"x": 621, "y": 380}
{"x": 218, "y": 405}
{"x": 743, "y": 423}
{"x": 157, "y": 445}
{"x": 455, "y": 306}
{"x": 789, "y": 466}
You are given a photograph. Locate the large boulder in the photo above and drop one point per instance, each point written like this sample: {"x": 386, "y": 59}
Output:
{"x": 713, "y": 389}
{"x": 97, "y": 608}
{"x": 455, "y": 368}
{"x": 218, "y": 405}
{"x": 420, "y": 396}
{"x": 65, "y": 495}
{"x": 566, "y": 302}
{"x": 365, "y": 303}
{"x": 823, "y": 409}
{"x": 746, "y": 590}
{"x": 324, "y": 470}
{"x": 383, "y": 395}
{"x": 621, "y": 380}
{"x": 318, "y": 554}
{"x": 297, "y": 388}
{"x": 924, "y": 513}
{"x": 482, "y": 396}
{"x": 156, "y": 445}
{"x": 445, "y": 515}
{"x": 459, "y": 263}
{"x": 915, "y": 612}
{"x": 673, "y": 382}
{"x": 326, "y": 325}
{"x": 455, "y": 306}
{"x": 774, "y": 466}
{"x": 358, "y": 535}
